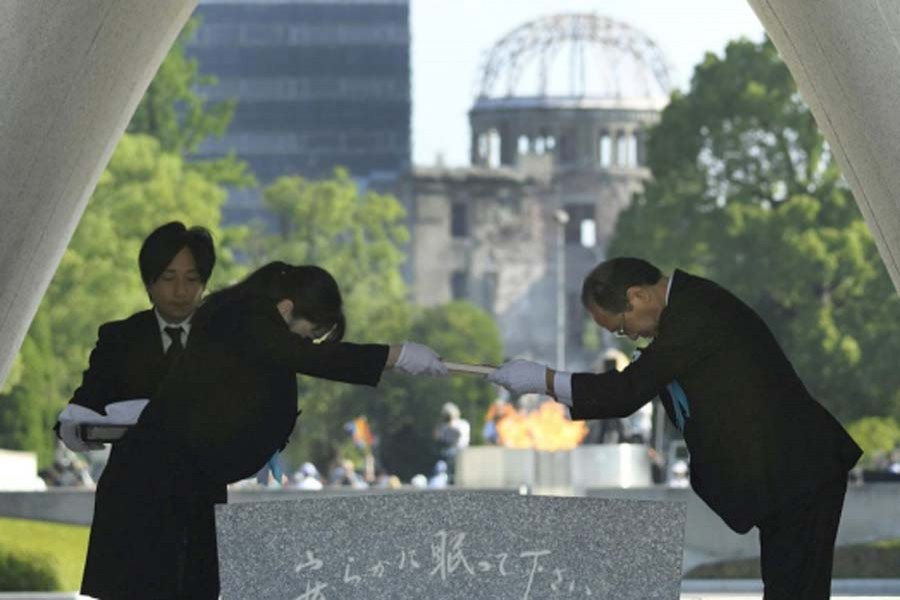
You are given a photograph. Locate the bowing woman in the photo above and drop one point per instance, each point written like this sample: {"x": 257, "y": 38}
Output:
{"x": 227, "y": 404}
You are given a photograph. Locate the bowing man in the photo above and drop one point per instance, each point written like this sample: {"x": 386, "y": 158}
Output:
{"x": 228, "y": 403}
{"x": 763, "y": 451}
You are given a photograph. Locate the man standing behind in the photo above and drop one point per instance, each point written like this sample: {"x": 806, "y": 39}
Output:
{"x": 763, "y": 452}
{"x": 132, "y": 356}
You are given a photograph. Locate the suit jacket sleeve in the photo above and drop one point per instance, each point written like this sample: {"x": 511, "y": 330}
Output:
{"x": 268, "y": 339}
{"x": 683, "y": 340}
{"x": 98, "y": 382}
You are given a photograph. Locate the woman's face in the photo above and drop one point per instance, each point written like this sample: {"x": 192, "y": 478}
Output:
{"x": 309, "y": 330}
{"x": 302, "y": 327}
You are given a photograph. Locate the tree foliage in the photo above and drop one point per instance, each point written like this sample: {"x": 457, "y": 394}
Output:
{"x": 174, "y": 111}
{"x": 406, "y": 410}
{"x": 358, "y": 237}
{"x": 877, "y": 436}
{"x": 148, "y": 182}
{"x": 98, "y": 279}
{"x": 745, "y": 191}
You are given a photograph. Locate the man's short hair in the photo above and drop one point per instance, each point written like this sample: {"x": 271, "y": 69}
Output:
{"x": 166, "y": 241}
{"x": 606, "y": 285}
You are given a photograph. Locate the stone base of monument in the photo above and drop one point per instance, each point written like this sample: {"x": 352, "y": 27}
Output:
{"x": 449, "y": 545}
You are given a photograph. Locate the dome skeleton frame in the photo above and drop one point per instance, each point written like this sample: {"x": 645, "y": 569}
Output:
{"x": 543, "y": 39}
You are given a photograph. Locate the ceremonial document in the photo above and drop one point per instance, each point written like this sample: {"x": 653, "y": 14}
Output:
{"x": 80, "y": 427}
{"x": 467, "y": 369}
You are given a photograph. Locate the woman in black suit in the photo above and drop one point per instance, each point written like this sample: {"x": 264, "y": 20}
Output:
{"x": 227, "y": 405}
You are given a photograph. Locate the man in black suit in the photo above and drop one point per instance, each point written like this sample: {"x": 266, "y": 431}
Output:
{"x": 133, "y": 355}
{"x": 763, "y": 452}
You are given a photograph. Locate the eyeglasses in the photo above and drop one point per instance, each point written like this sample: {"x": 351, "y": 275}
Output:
{"x": 620, "y": 332}
{"x": 319, "y": 337}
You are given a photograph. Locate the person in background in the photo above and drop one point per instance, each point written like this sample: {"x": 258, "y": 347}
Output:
{"x": 452, "y": 435}
{"x": 227, "y": 404}
{"x": 499, "y": 409}
{"x": 763, "y": 451}
{"x": 307, "y": 477}
{"x": 440, "y": 478}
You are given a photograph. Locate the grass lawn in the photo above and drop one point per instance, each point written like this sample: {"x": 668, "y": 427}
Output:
{"x": 66, "y": 545}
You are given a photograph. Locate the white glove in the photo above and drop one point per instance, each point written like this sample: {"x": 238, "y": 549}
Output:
{"x": 521, "y": 377}
{"x": 416, "y": 359}
{"x": 69, "y": 433}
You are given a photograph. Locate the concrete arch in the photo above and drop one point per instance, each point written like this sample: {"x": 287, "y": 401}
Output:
{"x": 73, "y": 74}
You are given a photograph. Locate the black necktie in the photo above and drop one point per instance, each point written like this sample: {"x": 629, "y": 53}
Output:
{"x": 176, "y": 347}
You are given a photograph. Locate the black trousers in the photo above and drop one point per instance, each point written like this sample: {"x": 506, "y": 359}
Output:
{"x": 797, "y": 546}
{"x": 153, "y": 536}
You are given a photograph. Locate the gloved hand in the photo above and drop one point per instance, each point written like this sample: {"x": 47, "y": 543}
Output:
{"x": 416, "y": 359}
{"x": 69, "y": 434}
{"x": 521, "y": 377}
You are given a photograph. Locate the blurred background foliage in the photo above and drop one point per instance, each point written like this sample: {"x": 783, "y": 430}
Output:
{"x": 744, "y": 191}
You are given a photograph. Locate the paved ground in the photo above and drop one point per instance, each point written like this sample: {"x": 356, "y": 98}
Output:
{"x": 742, "y": 589}
{"x": 687, "y": 596}
{"x": 692, "y": 589}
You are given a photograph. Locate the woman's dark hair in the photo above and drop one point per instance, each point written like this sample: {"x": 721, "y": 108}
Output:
{"x": 606, "y": 285}
{"x": 166, "y": 241}
{"x": 312, "y": 289}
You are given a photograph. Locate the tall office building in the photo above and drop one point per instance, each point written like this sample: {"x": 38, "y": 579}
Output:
{"x": 319, "y": 84}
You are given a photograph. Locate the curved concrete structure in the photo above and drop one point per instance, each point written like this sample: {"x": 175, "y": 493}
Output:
{"x": 845, "y": 58}
{"x": 72, "y": 75}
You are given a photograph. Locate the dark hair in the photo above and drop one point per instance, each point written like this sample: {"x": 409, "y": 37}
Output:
{"x": 606, "y": 285}
{"x": 312, "y": 289}
{"x": 166, "y": 241}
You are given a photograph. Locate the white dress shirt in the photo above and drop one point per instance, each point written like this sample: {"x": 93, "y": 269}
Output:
{"x": 166, "y": 340}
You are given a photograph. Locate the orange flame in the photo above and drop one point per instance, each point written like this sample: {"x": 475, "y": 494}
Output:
{"x": 547, "y": 428}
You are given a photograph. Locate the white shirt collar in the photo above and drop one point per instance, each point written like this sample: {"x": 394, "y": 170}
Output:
{"x": 669, "y": 287}
{"x": 162, "y": 323}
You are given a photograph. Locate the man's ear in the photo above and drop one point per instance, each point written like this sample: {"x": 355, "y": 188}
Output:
{"x": 635, "y": 293}
{"x": 286, "y": 308}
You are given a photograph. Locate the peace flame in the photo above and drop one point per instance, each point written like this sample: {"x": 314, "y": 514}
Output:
{"x": 547, "y": 428}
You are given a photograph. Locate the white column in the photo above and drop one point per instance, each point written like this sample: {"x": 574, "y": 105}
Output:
{"x": 73, "y": 73}
{"x": 845, "y": 59}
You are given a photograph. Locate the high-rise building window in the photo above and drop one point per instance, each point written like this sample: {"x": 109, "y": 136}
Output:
{"x": 579, "y": 214}
{"x": 459, "y": 220}
{"x": 459, "y": 285}
{"x": 489, "y": 291}
{"x": 588, "y": 233}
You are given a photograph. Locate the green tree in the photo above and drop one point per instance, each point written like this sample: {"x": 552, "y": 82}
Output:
{"x": 357, "y": 237}
{"x": 149, "y": 181}
{"x": 98, "y": 279}
{"x": 406, "y": 410}
{"x": 174, "y": 111}
{"x": 745, "y": 191}
{"x": 876, "y": 436}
